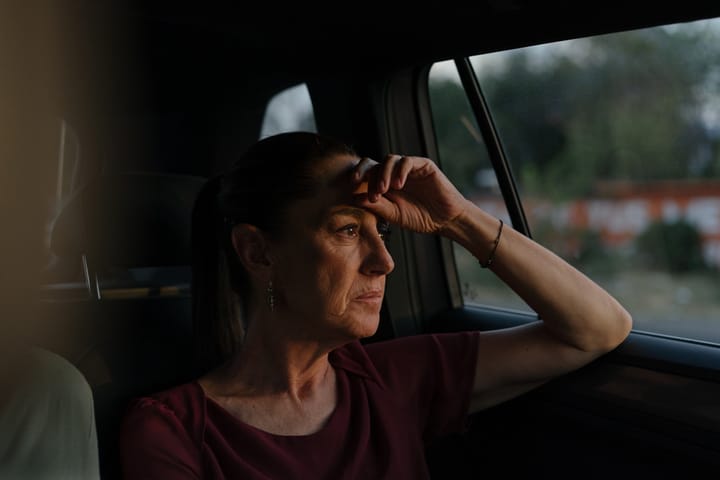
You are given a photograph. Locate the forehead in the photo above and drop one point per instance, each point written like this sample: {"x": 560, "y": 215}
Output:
{"x": 336, "y": 189}
{"x": 335, "y": 178}
{"x": 335, "y": 169}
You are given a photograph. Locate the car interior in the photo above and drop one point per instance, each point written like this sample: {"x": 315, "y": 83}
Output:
{"x": 153, "y": 99}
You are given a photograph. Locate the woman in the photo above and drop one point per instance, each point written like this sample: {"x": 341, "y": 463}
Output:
{"x": 290, "y": 270}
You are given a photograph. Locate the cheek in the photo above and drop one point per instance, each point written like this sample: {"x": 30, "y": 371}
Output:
{"x": 320, "y": 280}
{"x": 335, "y": 282}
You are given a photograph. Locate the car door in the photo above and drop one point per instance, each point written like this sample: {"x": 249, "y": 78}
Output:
{"x": 604, "y": 149}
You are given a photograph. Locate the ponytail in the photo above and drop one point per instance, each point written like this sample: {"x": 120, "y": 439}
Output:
{"x": 216, "y": 305}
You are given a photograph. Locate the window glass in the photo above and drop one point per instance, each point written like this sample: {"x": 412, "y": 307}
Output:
{"x": 463, "y": 157}
{"x": 614, "y": 142}
{"x": 289, "y": 110}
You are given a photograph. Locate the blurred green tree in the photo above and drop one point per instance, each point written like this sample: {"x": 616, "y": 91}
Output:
{"x": 623, "y": 106}
{"x": 462, "y": 152}
{"x": 674, "y": 246}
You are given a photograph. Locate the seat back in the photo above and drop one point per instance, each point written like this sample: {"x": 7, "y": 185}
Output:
{"x": 128, "y": 325}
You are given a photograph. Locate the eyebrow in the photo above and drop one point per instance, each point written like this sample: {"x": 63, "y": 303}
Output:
{"x": 358, "y": 213}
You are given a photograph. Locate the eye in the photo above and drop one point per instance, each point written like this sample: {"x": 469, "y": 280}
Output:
{"x": 384, "y": 230}
{"x": 350, "y": 230}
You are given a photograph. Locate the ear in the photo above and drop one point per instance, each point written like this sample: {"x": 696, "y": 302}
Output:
{"x": 250, "y": 246}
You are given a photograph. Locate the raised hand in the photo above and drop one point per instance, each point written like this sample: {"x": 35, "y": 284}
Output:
{"x": 411, "y": 192}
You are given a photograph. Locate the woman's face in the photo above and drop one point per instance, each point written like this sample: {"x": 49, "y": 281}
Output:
{"x": 330, "y": 264}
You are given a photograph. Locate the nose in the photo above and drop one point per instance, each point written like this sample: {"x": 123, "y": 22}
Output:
{"x": 378, "y": 260}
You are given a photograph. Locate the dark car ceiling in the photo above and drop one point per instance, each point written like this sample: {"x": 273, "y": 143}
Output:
{"x": 330, "y": 36}
{"x": 134, "y": 52}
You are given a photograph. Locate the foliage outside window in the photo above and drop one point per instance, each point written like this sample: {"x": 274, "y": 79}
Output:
{"x": 614, "y": 142}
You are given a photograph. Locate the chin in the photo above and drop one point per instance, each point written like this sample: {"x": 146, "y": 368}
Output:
{"x": 368, "y": 327}
{"x": 357, "y": 328}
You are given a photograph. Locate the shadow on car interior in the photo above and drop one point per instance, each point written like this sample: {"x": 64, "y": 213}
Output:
{"x": 130, "y": 317}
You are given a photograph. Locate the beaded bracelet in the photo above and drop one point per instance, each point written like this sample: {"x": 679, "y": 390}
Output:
{"x": 494, "y": 247}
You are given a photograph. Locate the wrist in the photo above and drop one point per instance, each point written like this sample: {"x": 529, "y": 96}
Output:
{"x": 496, "y": 242}
{"x": 477, "y": 231}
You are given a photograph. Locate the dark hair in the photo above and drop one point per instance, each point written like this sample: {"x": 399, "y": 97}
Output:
{"x": 258, "y": 188}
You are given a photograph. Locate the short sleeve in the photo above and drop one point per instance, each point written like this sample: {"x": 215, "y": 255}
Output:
{"x": 154, "y": 444}
{"x": 431, "y": 373}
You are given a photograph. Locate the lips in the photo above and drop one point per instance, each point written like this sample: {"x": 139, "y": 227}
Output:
{"x": 371, "y": 295}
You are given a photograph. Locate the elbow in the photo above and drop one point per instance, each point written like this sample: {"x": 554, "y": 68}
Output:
{"x": 624, "y": 326}
{"x": 604, "y": 333}
{"x": 615, "y": 330}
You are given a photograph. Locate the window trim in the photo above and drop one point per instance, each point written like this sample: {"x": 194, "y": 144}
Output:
{"x": 493, "y": 145}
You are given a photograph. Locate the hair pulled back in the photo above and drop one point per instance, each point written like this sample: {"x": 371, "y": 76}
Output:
{"x": 258, "y": 188}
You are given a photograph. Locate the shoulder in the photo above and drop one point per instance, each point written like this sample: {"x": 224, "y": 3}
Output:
{"x": 162, "y": 434}
{"x": 178, "y": 407}
{"x": 48, "y": 382}
{"x": 53, "y": 371}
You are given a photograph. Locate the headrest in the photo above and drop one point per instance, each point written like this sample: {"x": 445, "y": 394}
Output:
{"x": 138, "y": 219}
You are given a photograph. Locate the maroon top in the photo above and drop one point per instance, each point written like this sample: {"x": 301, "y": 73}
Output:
{"x": 393, "y": 397}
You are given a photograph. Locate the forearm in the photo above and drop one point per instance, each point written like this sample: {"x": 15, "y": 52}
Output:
{"x": 573, "y": 308}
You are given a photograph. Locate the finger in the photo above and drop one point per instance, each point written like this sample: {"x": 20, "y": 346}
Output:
{"x": 362, "y": 168}
{"x": 375, "y": 176}
{"x": 383, "y": 181}
{"x": 382, "y": 207}
{"x": 402, "y": 170}
{"x": 364, "y": 174}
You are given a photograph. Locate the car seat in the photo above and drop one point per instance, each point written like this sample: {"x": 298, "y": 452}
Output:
{"x": 128, "y": 325}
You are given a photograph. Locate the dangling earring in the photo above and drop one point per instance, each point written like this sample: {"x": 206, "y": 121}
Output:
{"x": 271, "y": 296}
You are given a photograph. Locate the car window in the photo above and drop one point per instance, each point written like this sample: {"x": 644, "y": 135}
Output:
{"x": 614, "y": 142}
{"x": 289, "y": 110}
{"x": 463, "y": 157}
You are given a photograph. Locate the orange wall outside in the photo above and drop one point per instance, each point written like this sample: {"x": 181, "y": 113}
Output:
{"x": 620, "y": 211}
